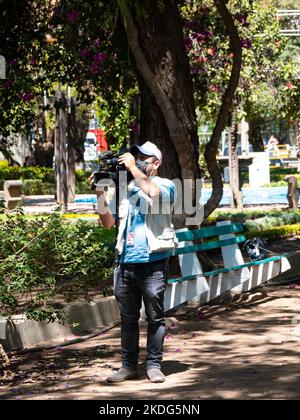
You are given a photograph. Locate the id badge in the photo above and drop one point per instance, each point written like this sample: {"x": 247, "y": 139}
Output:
{"x": 130, "y": 239}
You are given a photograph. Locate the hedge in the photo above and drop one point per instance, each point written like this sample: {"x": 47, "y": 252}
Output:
{"x": 243, "y": 216}
{"x": 39, "y": 180}
{"x": 38, "y": 187}
{"x": 277, "y": 174}
{"x": 275, "y": 232}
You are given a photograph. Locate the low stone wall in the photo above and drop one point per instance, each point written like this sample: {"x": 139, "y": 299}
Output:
{"x": 82, "y": 319}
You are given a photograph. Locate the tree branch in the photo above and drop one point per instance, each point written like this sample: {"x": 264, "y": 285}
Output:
{"x": 177, "y": 134}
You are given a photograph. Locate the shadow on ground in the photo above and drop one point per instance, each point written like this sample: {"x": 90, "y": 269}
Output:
{"x": 247, "y": 348}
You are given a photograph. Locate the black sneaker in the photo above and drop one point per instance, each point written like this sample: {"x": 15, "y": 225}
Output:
{"x": 123, "y": 374}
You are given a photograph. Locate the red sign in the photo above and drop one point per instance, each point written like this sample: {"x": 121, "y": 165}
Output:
{"x": 102, "y": 145}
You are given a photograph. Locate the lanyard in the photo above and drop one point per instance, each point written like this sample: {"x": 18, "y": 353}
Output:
{"x": 133, "y": 211}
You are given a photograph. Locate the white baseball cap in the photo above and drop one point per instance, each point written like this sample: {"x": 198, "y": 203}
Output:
{"x": 147, "y": 148}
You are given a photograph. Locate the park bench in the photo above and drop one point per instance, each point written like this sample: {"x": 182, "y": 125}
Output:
{"x": 12, "y": 193}
{"x": 235, "y": 274}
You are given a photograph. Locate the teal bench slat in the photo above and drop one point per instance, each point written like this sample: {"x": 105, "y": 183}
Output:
{"x": 226, "y": 270}
{"x": 209, "y": 245}
{"x": 209, "y": 232}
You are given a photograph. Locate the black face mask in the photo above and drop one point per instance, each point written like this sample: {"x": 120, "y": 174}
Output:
{"x": 141, "y": 165}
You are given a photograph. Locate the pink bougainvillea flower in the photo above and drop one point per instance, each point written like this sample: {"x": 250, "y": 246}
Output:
{"x": 33, "y": 61}
{"x": 246, "y": 43}
{"x": 242, "y": 18}
{"x": 94, "y": 69}
{"x": 26, "y": 97}
{"x": 12, "y": 62}
{"x": 134, "y": 127}
{"x": 188, "y": 43}
{"x": 190, "y": 24}
{"x": 85, "y": 52}
{"x": 73, "y": 15}
{"x": 211, "y": 51}
{"x": 213, "y": 88}
{"x": 195, "y": 70}
{"x": 290, "y": 86}
{"x": 100, "y": 57}
{"x": 97, "y": 42}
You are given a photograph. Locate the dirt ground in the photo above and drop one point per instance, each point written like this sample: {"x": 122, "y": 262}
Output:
{"x": 245, "y": 349}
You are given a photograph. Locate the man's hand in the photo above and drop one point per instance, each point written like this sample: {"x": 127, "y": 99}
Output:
{"x": 92, "y": 185}
{"x": 128, "y": 160}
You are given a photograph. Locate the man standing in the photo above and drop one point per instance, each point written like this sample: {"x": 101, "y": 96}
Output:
{"x": 146, "y": 235}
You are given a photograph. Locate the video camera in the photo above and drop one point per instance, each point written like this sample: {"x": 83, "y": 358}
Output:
{"x": 109, "y": 168}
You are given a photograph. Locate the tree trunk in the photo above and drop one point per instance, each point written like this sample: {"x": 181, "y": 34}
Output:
{"x": 155, "y": 38}
{"x": 255, "y": 136}
{"x": 298, "y": 141}
{"x": 211, "y": 149}
{"x": 237, "y": 201}
{"x": 153, "y": 128}
{"x": 61, "y": 150}
{"x": 4, "y": 362}
{"x": 72, "y": 143}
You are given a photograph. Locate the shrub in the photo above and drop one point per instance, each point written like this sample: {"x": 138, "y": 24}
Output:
{"x": 39, "y": 175}
{"x": 275, "y": 232}
{"x": 269, "y": 222}
{"x": 42, "y": 260}
{"x": 37, "y": 187}
{"x": 289, "y": 216}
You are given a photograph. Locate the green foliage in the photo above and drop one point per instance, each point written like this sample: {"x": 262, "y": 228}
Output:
{"x": 275, "y": 232}
{"x": 48, "y": 261}
{"x": 39, "y": 180}
{"x": 37, "y": 187}
{"x": 248, "y": 215}
{"x": 269, "y": 82}
{"x": 269, "y": 222}
{"x": 34, "y": 173}
{"x": 277, "y": 174}
{"x": 114, "y": 114}
{"x": 68, "y": 43}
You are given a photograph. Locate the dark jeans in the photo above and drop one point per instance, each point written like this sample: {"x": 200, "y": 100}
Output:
{"x": 134, "y": 282}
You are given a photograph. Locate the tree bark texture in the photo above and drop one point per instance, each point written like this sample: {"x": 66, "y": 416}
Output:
{"x": 155, "y": 38}
{"x": 4, "y": 362}
{"x": 61, "y": 150}
{"x": 72, "y": 143}
{"x": 153, "y": 128}
{"x": 234, "y": 165}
